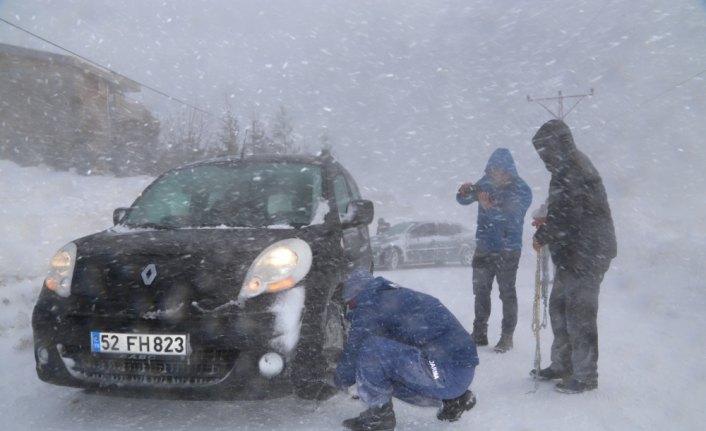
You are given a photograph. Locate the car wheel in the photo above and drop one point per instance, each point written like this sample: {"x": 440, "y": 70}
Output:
{"x": 334, "y": 335}
{"x": 466, "y": 256}
{"x": 318, "y": 355}
{"x": 392, "y": 258}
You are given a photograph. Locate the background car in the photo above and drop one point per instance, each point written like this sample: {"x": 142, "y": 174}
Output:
{"x": 423, "y": 242}
{"x": 223, "y": 277}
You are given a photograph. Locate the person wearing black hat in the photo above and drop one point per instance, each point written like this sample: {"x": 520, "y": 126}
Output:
{"x": 403, "y": 344}
{"x": 579, "y": 231}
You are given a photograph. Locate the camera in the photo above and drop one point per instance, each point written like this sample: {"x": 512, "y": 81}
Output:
{"x": 469, "y": 189}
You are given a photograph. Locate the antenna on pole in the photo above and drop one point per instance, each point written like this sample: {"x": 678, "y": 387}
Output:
{"x": 560, "y": 98}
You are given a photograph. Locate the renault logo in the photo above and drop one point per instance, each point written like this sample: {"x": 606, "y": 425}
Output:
{"x": 149, "y": 274}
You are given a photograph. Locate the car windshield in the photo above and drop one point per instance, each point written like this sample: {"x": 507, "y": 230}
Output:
{"x": 245, "y": 194}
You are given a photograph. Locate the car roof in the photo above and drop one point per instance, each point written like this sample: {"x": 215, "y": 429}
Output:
{"x": 319, "y": 159}
{"x": 427, "y": 221}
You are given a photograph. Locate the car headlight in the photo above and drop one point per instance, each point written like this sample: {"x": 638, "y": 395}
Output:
{"x": 61, "y": 270}
{"x": 280, "y": 266}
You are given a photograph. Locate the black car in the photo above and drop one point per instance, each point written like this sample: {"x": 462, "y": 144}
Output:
{"x": 423, "y": 243}
{"x": 224, "y": 276}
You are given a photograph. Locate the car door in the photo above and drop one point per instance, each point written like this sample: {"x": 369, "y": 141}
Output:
{"x": 448, "y": 242}
{"x": 356, "y": 239}
{"x": 421, "y": 247}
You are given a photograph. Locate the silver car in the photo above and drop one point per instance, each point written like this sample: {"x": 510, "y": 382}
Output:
{"x": 423, "y": 243}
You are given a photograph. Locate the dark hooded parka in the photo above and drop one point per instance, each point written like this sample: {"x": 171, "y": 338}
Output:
{"x": 579, "y": 227}
{"x": 581, "y": 238}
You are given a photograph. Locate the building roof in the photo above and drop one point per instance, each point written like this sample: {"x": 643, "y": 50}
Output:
{"x": 120, "y": 82}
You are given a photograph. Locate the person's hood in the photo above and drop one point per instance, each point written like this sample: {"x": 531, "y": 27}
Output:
{"x": 361, "y": 281}
{"x": 502, "y": 160}
{"x": 554, "y": 144}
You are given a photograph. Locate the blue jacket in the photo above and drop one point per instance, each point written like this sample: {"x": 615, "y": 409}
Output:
{"x": 387, "y": 310}
{"x": 499, "y": 228}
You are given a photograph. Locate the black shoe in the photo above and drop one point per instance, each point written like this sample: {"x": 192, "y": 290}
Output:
{"x": 481, "y": 339}
{"x": 452, "y": 409}
{"x": 573, "y": 386}
{"x": 504, "y": 344}
{"x": 549, "y": 374}
{"x": 373, "y": 419}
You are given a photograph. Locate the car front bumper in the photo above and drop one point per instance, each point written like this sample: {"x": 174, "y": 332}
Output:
{"x": 226, "y": 349}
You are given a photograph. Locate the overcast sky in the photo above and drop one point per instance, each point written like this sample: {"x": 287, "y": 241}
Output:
{"x": 417, "y": 92}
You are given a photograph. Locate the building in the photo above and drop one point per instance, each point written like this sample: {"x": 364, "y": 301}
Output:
{"x": 66, "y": 113}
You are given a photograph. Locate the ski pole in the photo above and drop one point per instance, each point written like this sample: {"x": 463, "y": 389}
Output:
{"x": 536, "y": 323}
{"x": 544, "y": 252}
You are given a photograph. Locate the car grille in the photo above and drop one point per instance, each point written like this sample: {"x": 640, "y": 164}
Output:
{"x": 117, "y": 287}
{"x": 204, "y": 368}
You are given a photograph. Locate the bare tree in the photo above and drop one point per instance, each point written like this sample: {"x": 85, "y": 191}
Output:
{"x": 184, "y": 137}
{"x": 325, "y": 141}
{"x": 230, "y": 130}
{"x": 283, "y": 133}
{"x": 256, "y": 140}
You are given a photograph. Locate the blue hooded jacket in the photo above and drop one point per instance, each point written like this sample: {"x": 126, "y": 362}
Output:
{"x": 387, "y": 310}
{"x": 499, "y": 228}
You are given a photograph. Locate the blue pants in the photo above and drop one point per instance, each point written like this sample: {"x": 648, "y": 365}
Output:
{"x": 387, "y": 368}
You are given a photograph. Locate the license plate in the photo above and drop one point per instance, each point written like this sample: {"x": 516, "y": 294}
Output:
{"x": 145, "y": 344}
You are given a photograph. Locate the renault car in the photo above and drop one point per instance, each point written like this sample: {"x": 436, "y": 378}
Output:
{"x": 223, "y": 276}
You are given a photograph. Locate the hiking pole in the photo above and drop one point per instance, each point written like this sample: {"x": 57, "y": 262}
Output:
{"x": 536, "y": 323}
{"x": 544, "y": 252}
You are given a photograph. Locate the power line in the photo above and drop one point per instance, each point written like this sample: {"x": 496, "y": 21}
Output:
{"x": 673, "y": 87}
{"x": 100, "y": 66}
{"x": 572, "y": 42}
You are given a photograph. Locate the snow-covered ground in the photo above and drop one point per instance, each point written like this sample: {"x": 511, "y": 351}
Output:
{"x": 651, "y": 322}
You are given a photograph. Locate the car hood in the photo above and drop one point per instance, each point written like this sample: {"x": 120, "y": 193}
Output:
{"x": 152, "y": 273}
{"x": 179, "y": 241}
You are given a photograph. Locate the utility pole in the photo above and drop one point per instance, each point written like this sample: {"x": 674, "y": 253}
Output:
{"x": 560, "y": 98}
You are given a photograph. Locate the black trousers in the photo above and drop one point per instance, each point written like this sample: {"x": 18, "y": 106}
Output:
{"x": 573, "y": 311}
{"x": 502, "y": 267}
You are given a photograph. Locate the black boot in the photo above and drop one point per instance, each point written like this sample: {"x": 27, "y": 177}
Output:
{"x": 504, "y": 344}
{"x": 573, "y": 386}
{"x": 373, "y": 419}
{"x": 452, "y": 409}
{"x": 480, "y": 338}
{"x": 549, "y": 374}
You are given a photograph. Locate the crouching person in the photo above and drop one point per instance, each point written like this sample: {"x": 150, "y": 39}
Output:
{"x": 407, "y": 345}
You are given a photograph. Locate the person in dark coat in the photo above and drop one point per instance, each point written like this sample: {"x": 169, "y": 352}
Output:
{"x": 503, "y": 199}
{"x": 403, "y": 344}
{"x": 579, "y": 232}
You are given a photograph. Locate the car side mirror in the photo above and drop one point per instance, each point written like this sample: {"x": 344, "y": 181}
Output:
{"x": 119, "y": 215}
{"x": 359, "y": 212}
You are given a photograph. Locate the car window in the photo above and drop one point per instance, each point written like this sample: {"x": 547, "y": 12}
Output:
{"x": 355, "y": 193}
{"x": 343, "y": 197}
{"x": 426, "y": 229}
{"x": 449, "y": 229}
{"x": 242, "y": 194}
{"x": 397, "y": 229}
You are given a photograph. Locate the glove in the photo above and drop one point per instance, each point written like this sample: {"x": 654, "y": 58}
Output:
{"x": 466, "y": 189}
{"x": 353, "y": 392}
{"x": 537, "y": 222}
